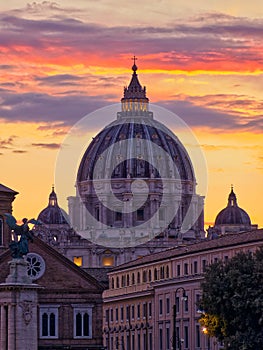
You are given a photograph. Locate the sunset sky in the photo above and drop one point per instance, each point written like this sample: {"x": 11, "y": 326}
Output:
{"x": 202, "y": 60}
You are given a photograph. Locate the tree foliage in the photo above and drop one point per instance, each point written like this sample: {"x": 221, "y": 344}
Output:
{"x": 233, "y": 301}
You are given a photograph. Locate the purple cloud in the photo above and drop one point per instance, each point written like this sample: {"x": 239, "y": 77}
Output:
{"x": 47, "y": 145}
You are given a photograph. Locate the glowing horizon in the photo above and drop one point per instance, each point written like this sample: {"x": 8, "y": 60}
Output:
{"x": 203, "y": 63}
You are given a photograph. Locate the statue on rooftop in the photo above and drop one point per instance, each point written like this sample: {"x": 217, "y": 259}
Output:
{"x": 20, "y": 248}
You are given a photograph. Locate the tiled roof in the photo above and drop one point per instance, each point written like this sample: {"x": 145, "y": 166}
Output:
{"x": 100, "y": 274}
{"x": 4, "y": 188}
{"x": 221, "y": 242}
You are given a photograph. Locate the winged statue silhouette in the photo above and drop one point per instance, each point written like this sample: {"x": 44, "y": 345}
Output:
{"x": 19, "y": 248}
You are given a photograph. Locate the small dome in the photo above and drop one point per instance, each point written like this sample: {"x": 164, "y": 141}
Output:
{"x": 53, "y": 214}
{"x": 232, "y": 214}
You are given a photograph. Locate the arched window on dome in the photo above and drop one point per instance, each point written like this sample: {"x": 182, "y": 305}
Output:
{"x": 97, "y": 213}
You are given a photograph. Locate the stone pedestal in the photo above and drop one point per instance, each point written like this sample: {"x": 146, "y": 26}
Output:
{"x": 18, "y": 301}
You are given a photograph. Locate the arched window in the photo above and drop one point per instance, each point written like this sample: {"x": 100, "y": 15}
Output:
{"x": 112, "y": 283}
{"x": 45, "y": 325}
{"x": 162, "y": 272}
{"x": 82, "y": 323}
{"x": 117, "y": 282}
{"x": 144, "y": 276}
{"x": 86, "y": 325}
{"x": 133, "y": 278}
{"x": 48, "y": 322}
{"x": 128, "y": 280}
{"x": 167, "y": 272}
{"x": 52, "y": 324}
{"x": 78, "y": 325}
{"x": 138, "y": 277}
{"x": 150, "y": 275}
{"x": 155, "y": 274}
{"x": 123, "y": 281}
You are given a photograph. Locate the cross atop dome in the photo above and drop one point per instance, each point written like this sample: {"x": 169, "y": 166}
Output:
{"x": 134, "y": 67}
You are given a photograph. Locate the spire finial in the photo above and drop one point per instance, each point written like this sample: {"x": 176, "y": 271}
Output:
{"x": 232, "y": 187}
{"x": 53, "y": 187}
{"x": 134, "y": 67}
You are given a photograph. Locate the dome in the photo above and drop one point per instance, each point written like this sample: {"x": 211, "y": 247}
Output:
{"x": 136, "y": 143}
{"x": 136, "y": 178}
{"x": 232, "y": 214}
{"x": 53, "y": 214}
{"x": 141, "y": 137}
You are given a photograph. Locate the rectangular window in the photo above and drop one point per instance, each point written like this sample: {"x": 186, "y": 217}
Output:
{"x": 128, "y": 313}
{"x": 139, "y": 341}
{"x": 78, "y": 260}
{"x": 186, "y": 269}
{"x": 108, "y": 261}
{"x": 150, "y": 341}
{"x": 195, "y": 267}
{"x": 132, "y": 312}
{"x": 186, "y": 304}
{"x": 128, "y": 342}
{"x": 160, "y": 339}
{"x": 97, "y": 213}
{"x": 150, "y": 309}
{"x": 122, "y": 313}
{"x": 186, "y": 337}
{"x": 138, "y": 311}
{"x": 197, "y": 300}
{"x": 144, "y": 310}
{"x": 48, "y": 322}
{"x": 83, "y": 322}
{"x": 178, "y": 270}
{"x": 144, "y": 341}
{"x": 177, "y": 303}
{"x": 107, "y": 313}
{"x": 203, "y": 265}
{"x": 160, "y": 307}
{"x": 111, "y": 315}
{"x": 167, "y": 305}
{"x": 197, "y": 336}
{"x": 117, "y": 314}
{"x": 133, "y": 342}
{"x": 140, "y": 215}
{"x": 118, "y": 216}
{"x": 168, "y": 340}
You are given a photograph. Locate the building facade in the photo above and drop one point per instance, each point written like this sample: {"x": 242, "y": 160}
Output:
{"x": 60, "y": 302}
{"x": 154, "y": 298}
